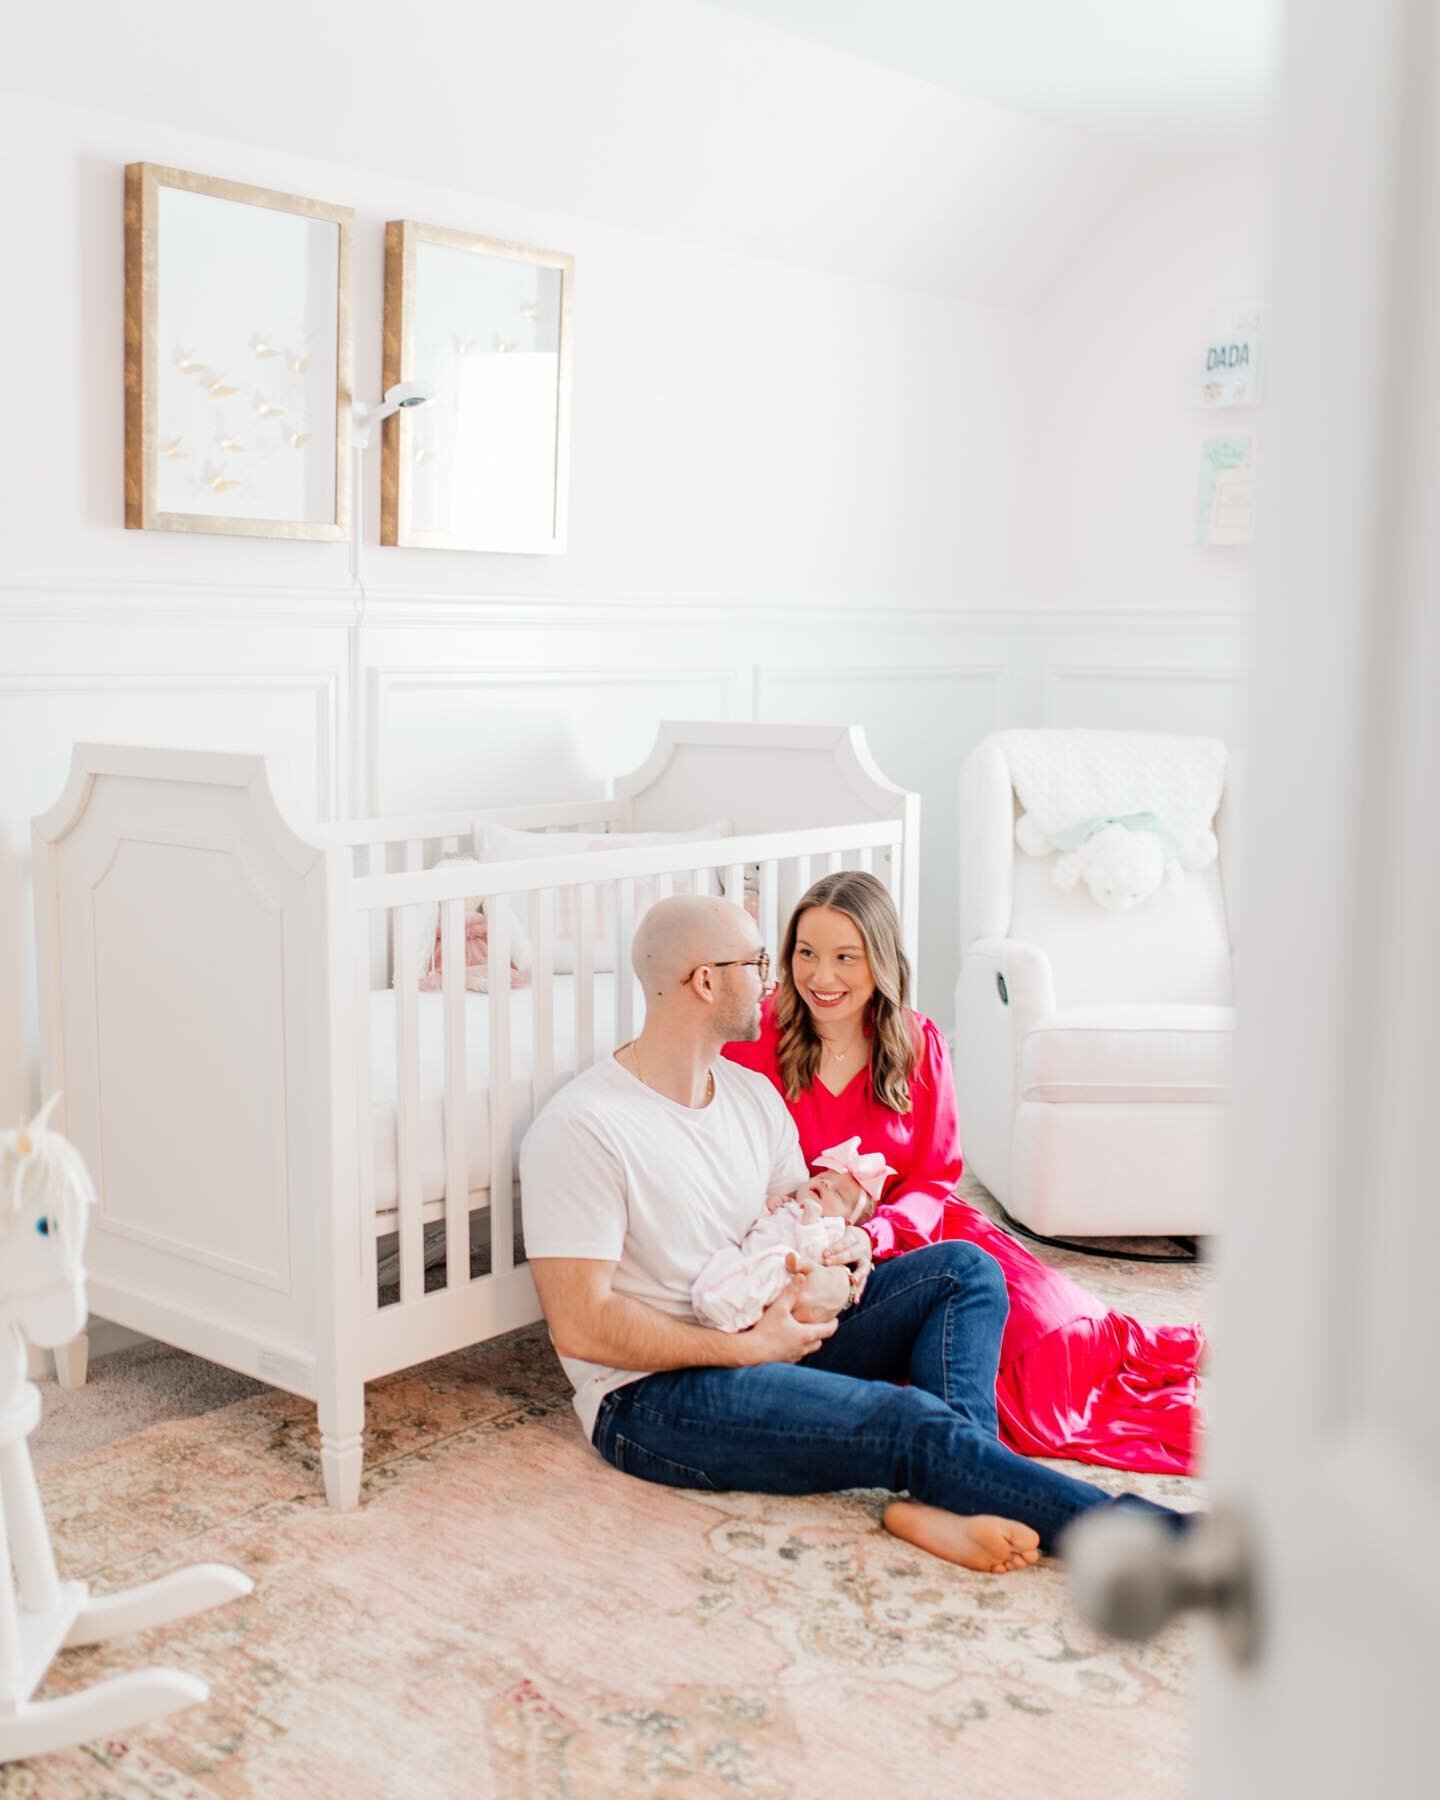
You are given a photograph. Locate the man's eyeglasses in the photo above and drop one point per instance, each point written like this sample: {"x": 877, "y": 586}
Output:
{"x": 760, "y": 964}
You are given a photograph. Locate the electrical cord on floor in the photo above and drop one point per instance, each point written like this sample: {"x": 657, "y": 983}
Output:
{"x": 1189, "y": 1249}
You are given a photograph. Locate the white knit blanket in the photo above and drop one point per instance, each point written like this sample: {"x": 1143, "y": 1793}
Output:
{"x": 1065, "y": 778}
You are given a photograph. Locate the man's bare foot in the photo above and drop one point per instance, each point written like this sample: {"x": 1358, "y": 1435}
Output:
{"x": 975, "y": 1541}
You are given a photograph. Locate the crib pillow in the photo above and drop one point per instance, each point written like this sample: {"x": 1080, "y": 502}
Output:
{"x": 503, "y": 843}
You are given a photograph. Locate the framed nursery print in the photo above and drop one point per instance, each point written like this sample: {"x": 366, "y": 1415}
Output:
{"x": 486, "y": 324}
{"x": 237, "y": 358}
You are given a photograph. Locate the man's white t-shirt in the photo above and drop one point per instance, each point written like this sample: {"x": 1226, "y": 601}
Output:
{"x": 614, "y": 1172}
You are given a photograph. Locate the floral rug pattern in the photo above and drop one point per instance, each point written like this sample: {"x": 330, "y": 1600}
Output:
{"x": 506, "y": 1615}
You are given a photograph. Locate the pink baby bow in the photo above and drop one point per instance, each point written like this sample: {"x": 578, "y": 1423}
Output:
{"x": 869, "y": 1170}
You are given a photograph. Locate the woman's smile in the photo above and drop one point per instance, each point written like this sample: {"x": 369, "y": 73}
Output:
{"x": 826, "y": 997}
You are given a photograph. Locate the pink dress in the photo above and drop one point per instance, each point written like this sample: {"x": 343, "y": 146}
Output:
{"x": 1076, "y": 1379}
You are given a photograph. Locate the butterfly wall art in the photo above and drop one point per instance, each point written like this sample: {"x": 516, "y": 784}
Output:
{"x": 237, "y": 358}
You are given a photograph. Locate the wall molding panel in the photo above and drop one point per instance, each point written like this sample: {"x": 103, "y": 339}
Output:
{"x": 135, "y": 686}
{"x": 1146, "y": 696}
{"x": 530, "y": 732}
{"x": 436, "y": 701}
{"x": 58, "y": 601}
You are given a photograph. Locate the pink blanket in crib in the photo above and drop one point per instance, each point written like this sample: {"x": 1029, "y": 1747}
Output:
{"x": 477, "y": 960}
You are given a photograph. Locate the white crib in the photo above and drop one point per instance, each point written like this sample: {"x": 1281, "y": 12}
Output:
{"x": 261, "y": 1109}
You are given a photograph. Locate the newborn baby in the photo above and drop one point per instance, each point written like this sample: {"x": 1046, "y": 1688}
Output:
{"x": 741, "y": 1280}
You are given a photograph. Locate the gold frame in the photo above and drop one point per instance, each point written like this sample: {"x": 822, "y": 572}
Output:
{"x": 401, "y": 237}
{"x": 142, "y": 258}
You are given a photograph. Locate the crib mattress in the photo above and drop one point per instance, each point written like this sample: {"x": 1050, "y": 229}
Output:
{"x": 431, "y": 1025}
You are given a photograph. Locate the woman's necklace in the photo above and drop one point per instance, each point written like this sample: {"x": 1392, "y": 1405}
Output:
{"x": 840, "y": 1056}
{"x": 635, "y": 1058}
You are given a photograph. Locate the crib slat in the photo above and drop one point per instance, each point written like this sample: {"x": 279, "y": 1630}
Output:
{"x": 407, "y": 1106}
{"x": 502, "y": 1156}
{"x": 365, "y": 1117}
{"x": 542, "y": 941}
{"x": 865, "y": 860}
{"x": 664, "y": 887}
{"x": 770, "y": 905}
{"x": 414, "y": 856}
{"x": 735, "y": 883}
{"x": 801, "y": 876}
{"x": 890, "y": 874}
{"x": 457, "y": 1162}
{"x": 376, "y": 928}
{"x": 584, "y": 899}
{"x": 624, "y": 978}
{"x": 834, "y": 862}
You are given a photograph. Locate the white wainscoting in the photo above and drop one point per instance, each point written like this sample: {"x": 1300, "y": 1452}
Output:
{"x": 489, "y": 700}
{"x": 1147, "y": 696}
{"x": 456, "y": 737}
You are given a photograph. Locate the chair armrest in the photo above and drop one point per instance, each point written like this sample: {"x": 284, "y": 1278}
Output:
{"x": 1005, "y": 985}
{"x": 1020, "y": 974}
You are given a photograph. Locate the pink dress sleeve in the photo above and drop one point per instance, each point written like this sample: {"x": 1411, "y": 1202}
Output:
{"x": 914, "y": 1206}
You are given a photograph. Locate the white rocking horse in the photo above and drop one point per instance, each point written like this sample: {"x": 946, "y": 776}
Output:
{"x": 45, "y": 1201}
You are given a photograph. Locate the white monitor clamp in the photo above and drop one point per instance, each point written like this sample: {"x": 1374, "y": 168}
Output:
{"x": 364, "y": 418}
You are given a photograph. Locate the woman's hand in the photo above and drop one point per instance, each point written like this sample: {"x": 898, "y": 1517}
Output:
{"x": 855, "y": 1250}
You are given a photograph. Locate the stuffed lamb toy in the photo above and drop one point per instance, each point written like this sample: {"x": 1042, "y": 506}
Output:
{"x": 1127, "y": 811}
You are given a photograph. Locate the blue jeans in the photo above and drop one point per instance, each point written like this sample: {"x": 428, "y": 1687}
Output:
{"x": 841, "y": 1419}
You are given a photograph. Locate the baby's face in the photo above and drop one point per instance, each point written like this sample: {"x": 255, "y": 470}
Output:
{"x": 837, "y": 1194}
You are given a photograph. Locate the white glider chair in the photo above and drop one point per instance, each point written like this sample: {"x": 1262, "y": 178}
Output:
{"x": 1092, "y": 1048}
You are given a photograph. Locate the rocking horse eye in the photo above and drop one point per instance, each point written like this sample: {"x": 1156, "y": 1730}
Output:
{"x": 43, "y": 1227}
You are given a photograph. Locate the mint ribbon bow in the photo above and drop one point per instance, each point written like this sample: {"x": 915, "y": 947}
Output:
{"x": 1073, "y": 836}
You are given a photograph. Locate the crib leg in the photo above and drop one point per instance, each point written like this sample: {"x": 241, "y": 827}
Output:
{"x": 342, "y": 1445}
{"x": 71, "y": 1362}
{"x": 342, "y": 1459}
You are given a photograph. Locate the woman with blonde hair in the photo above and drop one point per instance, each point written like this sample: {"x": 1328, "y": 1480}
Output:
{"x": 850, "y": 1058}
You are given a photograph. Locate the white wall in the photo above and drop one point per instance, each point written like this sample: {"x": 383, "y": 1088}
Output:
{"x": 742, "y": 430}
{"x": 665, "y": 116}
{"x": 1113, "y": 358}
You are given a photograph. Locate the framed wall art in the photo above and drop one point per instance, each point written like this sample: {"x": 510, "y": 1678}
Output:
{"x": 487, "y": 325}
{"x": 237, "y": 358}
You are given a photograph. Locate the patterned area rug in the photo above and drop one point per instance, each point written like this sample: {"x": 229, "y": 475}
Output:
{"x": 508, "y": 1616}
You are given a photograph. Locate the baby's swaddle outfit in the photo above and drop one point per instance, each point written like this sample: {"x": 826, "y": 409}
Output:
{"x": 740, "y": 1280}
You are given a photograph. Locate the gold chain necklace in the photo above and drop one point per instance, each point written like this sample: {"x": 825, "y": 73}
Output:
{"x": 709, "y": 1087}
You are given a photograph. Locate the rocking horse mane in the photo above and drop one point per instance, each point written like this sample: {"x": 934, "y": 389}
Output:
{"x": 43, "y": 1174}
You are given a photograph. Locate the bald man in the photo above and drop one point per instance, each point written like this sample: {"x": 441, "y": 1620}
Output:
{"x": 644, "y": 1166}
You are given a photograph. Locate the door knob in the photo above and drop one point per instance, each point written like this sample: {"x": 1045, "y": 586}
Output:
{"x": 1130, "y": 1576}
